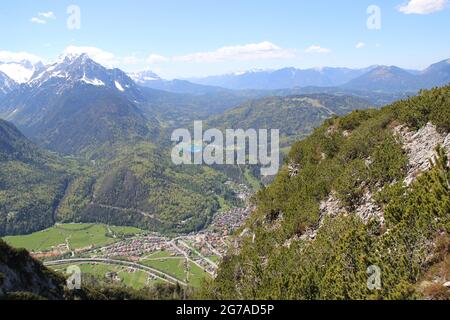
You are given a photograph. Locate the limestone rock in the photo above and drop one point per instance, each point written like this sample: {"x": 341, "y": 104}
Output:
{"x": 420, "y": 147}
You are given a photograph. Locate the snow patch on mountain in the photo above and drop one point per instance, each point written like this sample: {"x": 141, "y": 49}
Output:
{"x": 94, "y": 82}
{"x": 119, "y": 86}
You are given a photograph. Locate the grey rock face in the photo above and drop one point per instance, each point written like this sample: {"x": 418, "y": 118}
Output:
{"x": 420, "y": 147}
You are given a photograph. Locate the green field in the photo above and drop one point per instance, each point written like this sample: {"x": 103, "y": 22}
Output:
{"x": 175, "y": 267}
{"x": 214, "y": 259}
{"x": 136, "y": 280}
{"x": 172, "y": 266}
{"x": 157, "y": 255}
{"x": 77, "y": 236}
{"x": 196, "y": 275}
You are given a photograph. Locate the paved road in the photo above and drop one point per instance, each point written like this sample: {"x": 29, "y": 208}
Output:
{"x": 145, "y": 214}
{"x": 188, "y": 258}
{"x": 158, "y": 274}
{"x": 198, "y": 253}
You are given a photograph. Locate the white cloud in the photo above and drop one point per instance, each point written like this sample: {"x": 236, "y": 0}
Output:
{"x": 253, "y": 51}
{"x": 38, "y": 20}
{"x": 317, "y": 49}
{"x": 422, "y": 6}
{"x": 8, "y": 56}
{"x": 131, "y": 60}
{"x": 111, "y": 60}
{"x": 156, "y": 58}
{"x": 360, "y": 45}
{"x": 43, "y": 17}
{"x": 98, "y": 55}
{"x": 47, "y": 15}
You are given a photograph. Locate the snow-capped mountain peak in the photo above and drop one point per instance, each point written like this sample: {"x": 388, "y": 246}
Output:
{"x": 20, "y": 72}
{"x": 71, "y": 70}
{"x": 144, "y": 76}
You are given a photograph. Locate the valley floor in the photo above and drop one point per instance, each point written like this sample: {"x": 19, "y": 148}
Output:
{"x": 134, "y": 257}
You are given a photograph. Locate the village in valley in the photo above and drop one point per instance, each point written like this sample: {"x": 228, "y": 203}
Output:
{"x": 144, "y": 258}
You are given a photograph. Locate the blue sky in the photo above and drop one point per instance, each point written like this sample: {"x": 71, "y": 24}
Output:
{"x": 185, "y": 38}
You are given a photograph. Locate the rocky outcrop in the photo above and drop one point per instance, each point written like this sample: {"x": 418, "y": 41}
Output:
{"x": 367, "y": 210}
{"x": 21, "y": 273}
{"x": 294, "y": 169}
{"x": 331, "y": 207}
{"x": 420, "y": 147}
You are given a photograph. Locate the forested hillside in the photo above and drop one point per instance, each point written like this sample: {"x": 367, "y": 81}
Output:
{"x": 127, "y": 185}
{"x": 295, "y": 116}
{"x": 31, "y": 183}
{"x": 365, "y": 191}
{"x": 140, "y": 187}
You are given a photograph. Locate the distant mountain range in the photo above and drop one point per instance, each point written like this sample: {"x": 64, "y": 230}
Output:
{"x": 381, "y": 79}
{"x": 117, "y": 128}
{"x": 151, "y": 80}
{"x": 283, "y": 78}
{"x": 390, "y": 79}
{"x": 375, "y": 78}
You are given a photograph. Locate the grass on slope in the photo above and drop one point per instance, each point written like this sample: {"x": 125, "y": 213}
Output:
{"x": 172, "y": 266}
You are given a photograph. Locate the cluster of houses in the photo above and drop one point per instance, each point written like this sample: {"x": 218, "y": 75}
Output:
{"x": 137, "y": 247}
{"x": 59, "y": 251}
{"x": 207, "y": 243}
{"x": 227, "y": 222}
{"x": 203, "y": 248}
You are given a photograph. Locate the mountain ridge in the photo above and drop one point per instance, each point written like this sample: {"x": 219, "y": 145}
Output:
{"x": 411, "y": 80}
{"x": 366, "y": 191}
{"x": 76, "y": 105}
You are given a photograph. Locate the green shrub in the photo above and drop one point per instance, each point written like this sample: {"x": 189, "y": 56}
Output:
{"x": 334, "y": 264}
